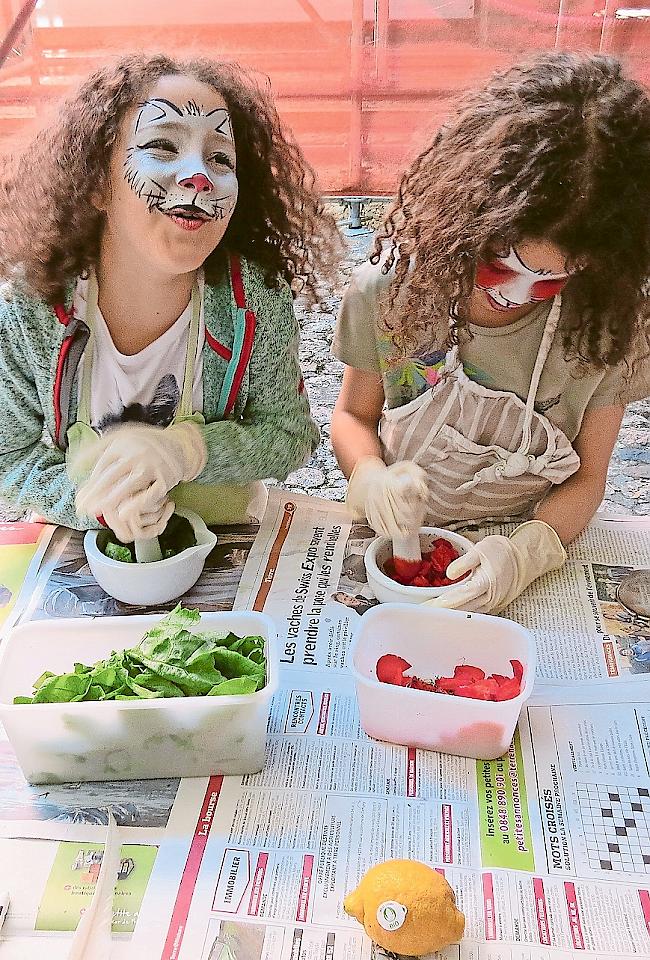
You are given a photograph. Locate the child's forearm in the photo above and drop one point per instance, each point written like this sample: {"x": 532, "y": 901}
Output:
{"x": 352, "y": 439}
{"x": 569, "y": 507}
{"x": 36, "y": 479}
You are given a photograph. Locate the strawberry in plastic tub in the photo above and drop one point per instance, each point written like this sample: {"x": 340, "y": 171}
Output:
{"x": 467, "y": 680}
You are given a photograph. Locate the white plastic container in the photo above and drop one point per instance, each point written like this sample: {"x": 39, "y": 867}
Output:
{"x": 151, "y": 583}
{"x": 128, "y": 740}
{"x": 388, "y": 590}
{"x": 434, "y": 641}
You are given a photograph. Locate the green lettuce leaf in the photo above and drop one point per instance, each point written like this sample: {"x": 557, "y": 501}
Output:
{"x": 171, "y": 660}
{"x": 116, "y": 551}
{"x": 234, "y": 687}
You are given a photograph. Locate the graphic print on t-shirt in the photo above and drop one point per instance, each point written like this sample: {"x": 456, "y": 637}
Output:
{"x": 158, "y": 413}
{"x": 407, "y": 379}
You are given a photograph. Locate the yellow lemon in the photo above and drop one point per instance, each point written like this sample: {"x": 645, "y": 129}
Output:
{"x": 407, "y": 907}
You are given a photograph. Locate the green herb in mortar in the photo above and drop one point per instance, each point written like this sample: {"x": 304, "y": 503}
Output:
{"x": 177, "y": 536}
{"x": 169, "y": 661}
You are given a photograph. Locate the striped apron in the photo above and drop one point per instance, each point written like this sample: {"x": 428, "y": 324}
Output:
{"x": 488, "y": 455}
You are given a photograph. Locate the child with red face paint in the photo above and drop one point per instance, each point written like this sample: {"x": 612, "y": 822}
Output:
{"x": 500, "y": 328}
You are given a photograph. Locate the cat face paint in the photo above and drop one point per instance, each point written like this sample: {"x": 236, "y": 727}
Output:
{"x": 509, "y": 283}
{"x": 181, "y": 161}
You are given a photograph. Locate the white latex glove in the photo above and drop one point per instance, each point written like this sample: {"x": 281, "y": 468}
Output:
{"x": 131, "y": 479}
{"x": 392, "y": 498}
{"x": 502, "y": 568}
{"x": 136, "y": 518}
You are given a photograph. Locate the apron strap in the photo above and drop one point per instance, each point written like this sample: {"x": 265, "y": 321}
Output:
{"x": 68, "y": 361}
{"x": 83, "y": 411}
{"x": 185, "y": 407}
{"x": 542, "y": 355}
{"x": 70, "y": 354}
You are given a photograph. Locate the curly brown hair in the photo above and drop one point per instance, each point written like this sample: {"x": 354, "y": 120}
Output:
{"x": 51, "y": 231}
{"x": 556, "y": 148}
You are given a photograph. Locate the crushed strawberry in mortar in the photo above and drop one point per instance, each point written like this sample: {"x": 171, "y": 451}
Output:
{"x": 467, "y": 681}
{"x": 430, "y": 571}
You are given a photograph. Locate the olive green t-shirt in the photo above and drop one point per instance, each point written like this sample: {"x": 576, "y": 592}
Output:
{"x": 501, "y": 358}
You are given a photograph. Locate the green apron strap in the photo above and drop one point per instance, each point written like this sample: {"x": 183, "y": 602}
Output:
{"x": 185, "y": 408}
{"x": 237, "y": 346}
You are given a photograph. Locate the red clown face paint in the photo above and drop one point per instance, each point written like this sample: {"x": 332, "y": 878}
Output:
{"x": 509, "y": 283}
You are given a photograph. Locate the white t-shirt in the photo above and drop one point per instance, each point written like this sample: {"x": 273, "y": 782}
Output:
{"x": 145, "y": 387}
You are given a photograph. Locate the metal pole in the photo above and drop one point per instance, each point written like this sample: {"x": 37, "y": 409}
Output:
{"x": 15, "y": 30}
{"x": 356, "y": 70}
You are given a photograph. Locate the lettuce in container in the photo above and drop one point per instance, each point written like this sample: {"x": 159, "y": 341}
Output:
{"x": 169, "y": 661}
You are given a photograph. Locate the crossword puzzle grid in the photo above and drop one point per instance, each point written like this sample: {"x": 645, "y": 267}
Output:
{"x": 616, "y": 825}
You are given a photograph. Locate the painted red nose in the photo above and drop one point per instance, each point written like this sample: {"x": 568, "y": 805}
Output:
{"x": 198, "y": 182}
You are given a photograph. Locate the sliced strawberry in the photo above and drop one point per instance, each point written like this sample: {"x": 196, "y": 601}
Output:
{"x": 468, "y": 673}
{"x": 509, "y": 690}
{"x": 438, "y": 559}
{"x": 481, "y": 690}
{"x": 517, "y": 669}
{"x": 390, "y": 669}
{"x": 389, "y": 570}
{"x": 419, "y": 581}
{"x": 406, "y": 568}
{"x": 431, "y": 571}
{"x": 449, "y": 684}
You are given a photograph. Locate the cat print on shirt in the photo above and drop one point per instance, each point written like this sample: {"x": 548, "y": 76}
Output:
{"x": 158, "y": 413}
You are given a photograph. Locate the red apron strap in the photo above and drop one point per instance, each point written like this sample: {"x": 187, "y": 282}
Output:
{"x": 70, "y": 353}
{"x": 64, "y": 318}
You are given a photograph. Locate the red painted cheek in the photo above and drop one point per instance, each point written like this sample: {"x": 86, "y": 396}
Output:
{"x": 544, "y": 289}
{"x": 491, "y": 275}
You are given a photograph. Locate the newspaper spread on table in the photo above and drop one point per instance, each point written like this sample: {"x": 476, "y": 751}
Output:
{"x": 547, "y": 848}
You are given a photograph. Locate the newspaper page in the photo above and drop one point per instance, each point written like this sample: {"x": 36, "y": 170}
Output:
{"x": 583, "y": 630}
{"x": 547, "y": 848}
{"x": 66, "y": 587}
{"x": 308, "y": 559}
{"x": 257, "y": 867}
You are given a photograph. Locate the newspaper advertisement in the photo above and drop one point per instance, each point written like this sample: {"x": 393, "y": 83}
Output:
{"x": 547, "y": 848}
{"x": 22, "y": 547}
{"x": 51, "y": 884}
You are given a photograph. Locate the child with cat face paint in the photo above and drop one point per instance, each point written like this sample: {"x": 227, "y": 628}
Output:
{"x": 149, "y": 350}
{"x": 501, "y": 326}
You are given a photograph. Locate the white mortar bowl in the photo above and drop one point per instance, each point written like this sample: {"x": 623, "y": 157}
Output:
{"x": 388, "y": 590}
{"x": 151, "y": 583}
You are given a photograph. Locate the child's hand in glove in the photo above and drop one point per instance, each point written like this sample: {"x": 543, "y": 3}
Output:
{"x": 130, "y": 481}
{"x": 501, "y": 568}
{"x": 393, "y": 499}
